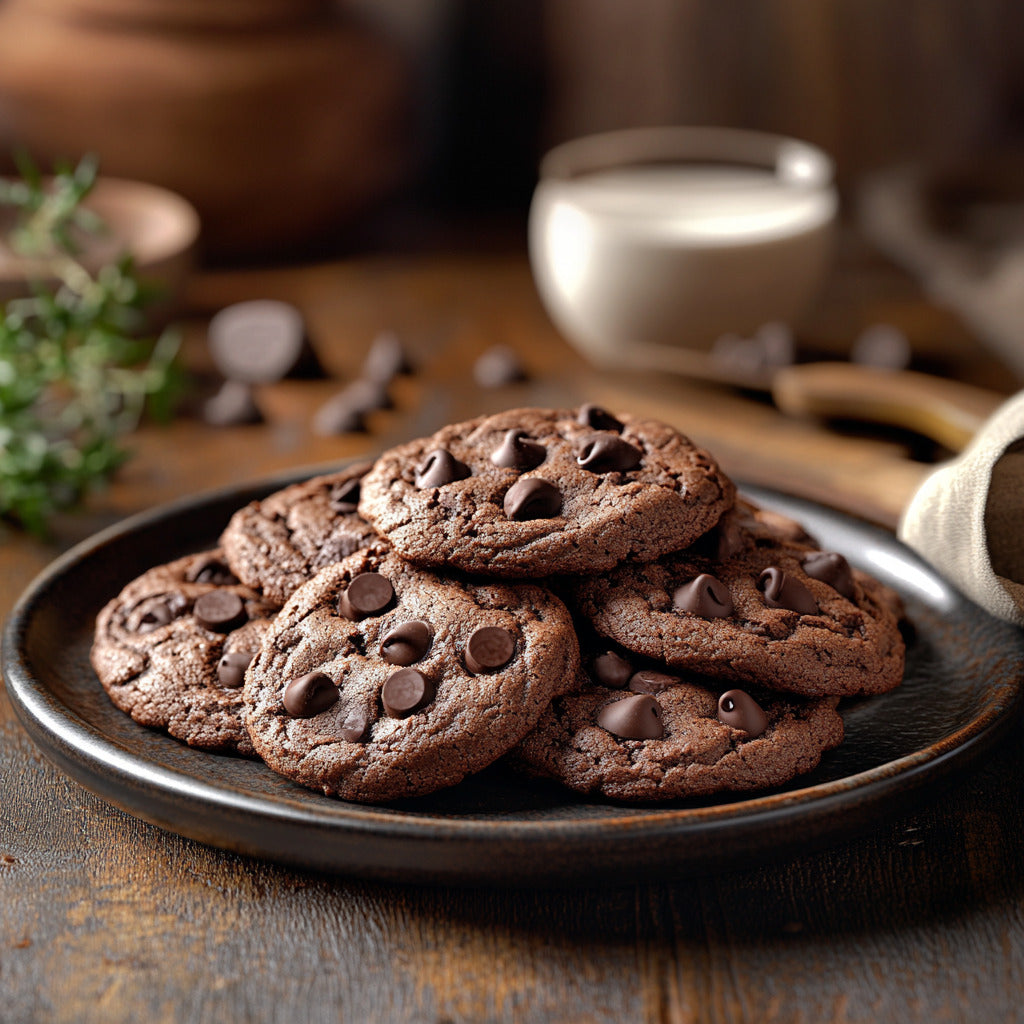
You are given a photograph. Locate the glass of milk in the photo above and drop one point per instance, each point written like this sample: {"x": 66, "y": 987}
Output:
{"x": 651, "y": 242}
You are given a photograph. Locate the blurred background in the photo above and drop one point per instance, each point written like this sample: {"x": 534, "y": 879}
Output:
{"x": 301, "y": 127}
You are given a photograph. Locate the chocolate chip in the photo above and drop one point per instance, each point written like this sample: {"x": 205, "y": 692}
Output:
{"x": 439, "y": 468}
{"x": 405, "y": 692}
{"x": 219, "y": 610}
{"x": 353, "y": 729}
{"x": 261, "y": 342}
{"x": 234, "y": 405}
{"x": 155, "y": 616}
{"x": 633, "y": 718}
{"x": 212, "y": 571}
{"x": 598, "y": 418}
{"x": 739, "y": 710}
{"x": 231, "y": 668}
{"x": 649, "y": 681}
{"x": 612, "y": 670}
{"x": 344, "y": 497}
{"x": 607, "y": 453}
{"x": 386, "y": 358}
{"x": 783, "y": 591}
{"x": 406, "y": 643}
{"x": 345, "y": 412}
{"x": 309, "y": 695}
{"x": 498, "y": 366}
{"x": 518, "y": 451}
{"x": 705, "y": 596}
{"x": 369, "y": 593}
{"x": 533, "y": 498}
{"x": 832, "y": 568}
{"x": 489, "y": 648}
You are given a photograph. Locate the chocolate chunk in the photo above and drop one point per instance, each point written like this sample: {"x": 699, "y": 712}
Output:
{"x": 406, "y": 643}
{"x": 633, "y": 718}
{"x": 705, "y": 596}
{"x": 832, "y": 568}
{"x": 607, "y": 453}
{"x": 234, "y": 405}
{"x": 219, "y": 610}
{"x": 740, "y": 711}
{"x": 369, "y": 593}
{"x": 386, "y": 358}
{"x": 439, "y": 468}
{"x": 231, "y": 668}
{"x": 309, "y": 695}
{"x": 212, "y": 571}
{"x": 598, "y": 418}
{"x": 533, "y": 498}
{"x": 783, "y": 591}
{"x": 649, "y": 681}
{"x": 498, "y": 366}
{"x": 489, "y": 648}
{"x": 155, "y": 616}
{"x": 612, "y": 670}
{"x": 344, "y": 497}
{"x": 518, "y": 451}
{"x": 405, "y": 692}
{"x": 353, "y": 729}
{"x": 261, "y": 342}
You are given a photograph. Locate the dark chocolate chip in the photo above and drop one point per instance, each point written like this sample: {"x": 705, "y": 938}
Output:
{"x": 518, "y": 451}
{"x": 739, "y": 710}
{"x": 234, "y": 405}
{"x": 405, "y": 692}
{"x": 345, "y": 412}
{"x": 386, "y": 358}
{"x": 832, "y": 568}
{"x": 533, "y": 498}
{"x": 231, "y": 668}
{"x": 489, "y": 648}
{"x": 649, "y": 681}
{"x": 309, "y": 695}
{"x": 369, "y": 593}
{"x": 344, "y": 497}
{"x": 498, "y": 366}
{"x": 353, "y": 729}
{"x": 155, "y": 616}
{"x": 783, "y": 591}
{"x": 705, "y": 596}
{"x": 607, "y": 453}
{"x": 219, "y": 610}
{"x": 213, "y": 571}
{"x": 612, "y": 670}
{"x": 439, "y": 468}
{"x": 261, "y": 342}
{"x": 633, "y": 718}
{"x": 598, "y": 418}
{"x": 406, "y": 643}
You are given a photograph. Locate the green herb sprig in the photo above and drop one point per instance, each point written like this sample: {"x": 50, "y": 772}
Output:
{"x": 75, "y": 378}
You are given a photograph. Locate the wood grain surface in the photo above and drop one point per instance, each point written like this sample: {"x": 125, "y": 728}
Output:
{"x": 105, "y": 918}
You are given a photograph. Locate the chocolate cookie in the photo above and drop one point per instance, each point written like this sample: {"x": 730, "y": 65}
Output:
{"x": 172, "y": 648}
{"x": 379, "y": 680}
{"x": 532, "y": 492}
{"x": 664, "y": 738}
{"x": 280, "y": 542}
{"x": 762, "y": 610}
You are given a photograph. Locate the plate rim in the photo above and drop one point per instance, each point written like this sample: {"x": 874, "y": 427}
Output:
{"x": 84, "y": 752}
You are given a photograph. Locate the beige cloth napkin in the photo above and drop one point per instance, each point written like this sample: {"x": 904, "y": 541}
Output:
{"x": 967, "y": 518}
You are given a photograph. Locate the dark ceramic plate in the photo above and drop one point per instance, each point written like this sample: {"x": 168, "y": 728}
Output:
{"x": 961, "y": 689}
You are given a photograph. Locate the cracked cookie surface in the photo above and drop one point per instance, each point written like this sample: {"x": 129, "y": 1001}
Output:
{"x": 379, "y": 680}
{"x": 279, "y": 543}
{"x": 533, "y": 492}
{"x": 171, "y": 650}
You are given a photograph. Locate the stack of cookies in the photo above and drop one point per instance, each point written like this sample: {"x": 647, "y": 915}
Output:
{"x": 580, "y": 592}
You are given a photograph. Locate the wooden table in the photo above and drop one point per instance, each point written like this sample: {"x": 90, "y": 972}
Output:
{"x": 105, "y": 918}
